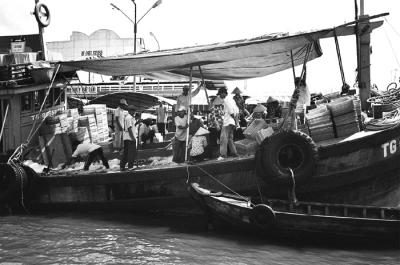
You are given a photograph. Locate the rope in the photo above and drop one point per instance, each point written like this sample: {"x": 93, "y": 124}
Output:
{"x": 390, "y": 120}
{"x": 219, "y": 182}
{"x": 20, "y": 149}
{"x": 391, "y": 45}
{"x": 345, "y": 86}
{"x": 292, "y": 192}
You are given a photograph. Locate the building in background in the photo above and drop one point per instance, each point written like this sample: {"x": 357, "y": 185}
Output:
{"x": 101, "y": 43}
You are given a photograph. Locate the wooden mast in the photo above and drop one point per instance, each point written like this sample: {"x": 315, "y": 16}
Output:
{"x": 363, "y": 32}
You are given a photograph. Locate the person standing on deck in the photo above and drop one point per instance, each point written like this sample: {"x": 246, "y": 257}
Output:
{"x": 119, "y": 123}
{"x": 161, "y": 118}
{"x": 229, "y": 125}
{"x": 183, "y": 99}
{"x": 129, "y": 137}
{"x": 180, "y": 136}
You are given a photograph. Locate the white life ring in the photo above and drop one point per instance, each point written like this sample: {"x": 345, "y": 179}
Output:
{"x": 42, "y": 14}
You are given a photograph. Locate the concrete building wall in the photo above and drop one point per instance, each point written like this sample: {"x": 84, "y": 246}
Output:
{"x": 101, "y": 43}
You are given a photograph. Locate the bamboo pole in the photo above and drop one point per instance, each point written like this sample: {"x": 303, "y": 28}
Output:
{"x": 4, "y": 121}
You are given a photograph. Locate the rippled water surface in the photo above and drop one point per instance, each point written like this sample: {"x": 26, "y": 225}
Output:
{"x": 132, "y": 239}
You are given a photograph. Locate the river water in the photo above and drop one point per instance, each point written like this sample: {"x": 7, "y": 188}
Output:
{"x": 94, "y": 238}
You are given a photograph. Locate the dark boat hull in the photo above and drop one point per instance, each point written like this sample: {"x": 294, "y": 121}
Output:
{"x": 306, "y": 219}
{"x": 352, "y": 172}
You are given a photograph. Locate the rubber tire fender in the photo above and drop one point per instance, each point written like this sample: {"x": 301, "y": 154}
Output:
{"x": 10, "y": 182}
{"x": 269, "y": 165}
{"x": 263, "y": 216}
{"x": 38, "y": 12}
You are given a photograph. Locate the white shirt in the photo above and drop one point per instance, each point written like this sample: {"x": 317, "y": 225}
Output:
{"x": 129, "y": 123}
{"x": 182, "y": 101}
{"x": 229, "y": 108}
{"x": 161, "y": 117}
{"x": 120, "y": 115}
{"x": 180, "y": 134}
{"x": 85, "y": 148}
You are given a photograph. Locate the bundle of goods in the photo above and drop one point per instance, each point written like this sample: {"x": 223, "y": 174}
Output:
{"x": 81, "y": 134}
{"x": 251, "y": 131}
{"x": 100, "y": 113}
{"x": 246, "y": 146}
{"x": 262, "y": 134}
{"x": 344, "y": 116}
{"x": 320, "y": 125}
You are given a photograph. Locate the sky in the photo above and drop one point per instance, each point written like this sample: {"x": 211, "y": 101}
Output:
{"x": 180, "y": 23}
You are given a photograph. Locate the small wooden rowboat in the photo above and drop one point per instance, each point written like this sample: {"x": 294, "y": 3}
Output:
{"x": 283, "y": 218}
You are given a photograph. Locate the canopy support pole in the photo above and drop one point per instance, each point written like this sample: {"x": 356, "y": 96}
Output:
{"x": 188, "y": 113}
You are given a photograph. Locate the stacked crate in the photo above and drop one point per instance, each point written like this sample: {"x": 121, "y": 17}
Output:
{"x": 100, "y": 113}
{"x": 345, "y": 117}
{"x": 320, "y": 125}
{"x": 89, "y": 122}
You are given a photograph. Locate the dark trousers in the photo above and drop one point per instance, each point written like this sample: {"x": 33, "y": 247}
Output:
{"x": 161, "y": 128}
{"x": 178, "y": 151}
{"x": 129, "y": 154}
{"x": 92, "y": 157}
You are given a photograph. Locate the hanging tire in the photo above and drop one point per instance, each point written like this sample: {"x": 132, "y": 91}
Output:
{"x": 286, "y": 149}
{"x": 13, "y": 180}
{"x": 262, "y": 216}
{"x": 42, "y": 14}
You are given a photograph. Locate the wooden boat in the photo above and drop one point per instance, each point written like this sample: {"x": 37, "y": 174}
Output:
{"x": 358, "y": 170}
{"x": 284, "y": 218}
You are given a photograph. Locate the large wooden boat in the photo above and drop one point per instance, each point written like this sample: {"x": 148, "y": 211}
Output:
{"x": 360, "y": 169}
{"x": 301, "y": 220}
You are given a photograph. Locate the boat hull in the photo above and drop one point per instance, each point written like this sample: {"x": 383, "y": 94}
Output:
{"x": 301, "y": 219}
{"x": 364, "y": 171}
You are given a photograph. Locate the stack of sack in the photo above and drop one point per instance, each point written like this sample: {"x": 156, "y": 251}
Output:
{"x": 248, "y": 145}
{"x": 345, "y": 117}
{"x": 319, "y": 123}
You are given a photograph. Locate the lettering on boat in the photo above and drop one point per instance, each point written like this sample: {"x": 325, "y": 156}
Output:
{"x": 48, "y": 113}
{"x": 390, "y": 148}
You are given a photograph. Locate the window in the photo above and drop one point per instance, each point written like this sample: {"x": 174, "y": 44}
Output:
{"x": 26, "y": 101}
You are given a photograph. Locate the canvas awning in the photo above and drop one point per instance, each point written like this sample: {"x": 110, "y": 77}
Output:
{"x": 241, "y": 59}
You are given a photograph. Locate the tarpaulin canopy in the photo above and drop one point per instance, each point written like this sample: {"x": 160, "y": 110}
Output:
{"x": 241, "y": 59}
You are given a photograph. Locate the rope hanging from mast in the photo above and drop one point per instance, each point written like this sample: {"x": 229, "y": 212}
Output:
{"x": 345, "y": 86}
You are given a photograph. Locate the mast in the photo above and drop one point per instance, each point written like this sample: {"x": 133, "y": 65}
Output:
{"x": 363, "y": 33}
